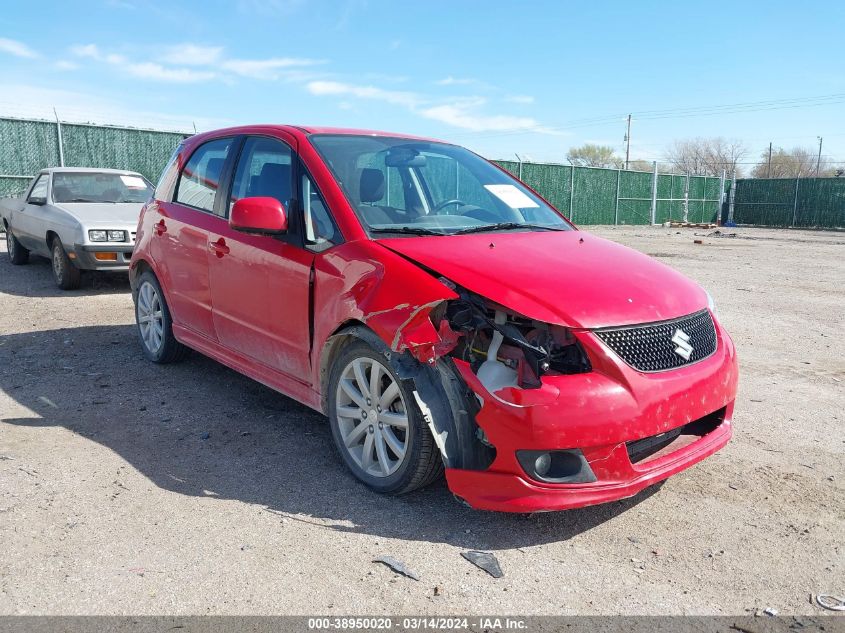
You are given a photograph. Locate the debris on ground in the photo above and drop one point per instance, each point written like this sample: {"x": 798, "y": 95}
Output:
{"x": 48, "y": 402}
{"x": 485, "y": 561}
{"x": 832, "y": 603}
{"x": 205, "y": 436}
{"x": 690, "y": 225}
{"x": 771, "y": 612}
{"x": 716, "y": 233}
{"x": 398, "y": 566}
{"x": 697, "y": 242}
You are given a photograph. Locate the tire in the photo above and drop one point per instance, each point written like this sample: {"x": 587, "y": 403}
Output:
{"x": 65, "y": 272}
{"x": 17, "y": 253}
{"x": 155, "y": 325}
{"x": 385, "y": 471}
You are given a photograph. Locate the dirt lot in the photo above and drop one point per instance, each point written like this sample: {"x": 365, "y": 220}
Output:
{"x": 187, "y": 489}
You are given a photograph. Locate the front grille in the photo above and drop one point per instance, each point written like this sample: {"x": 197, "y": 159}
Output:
{"x": 650, "y": 347}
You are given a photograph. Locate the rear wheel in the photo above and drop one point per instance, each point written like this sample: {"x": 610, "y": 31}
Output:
{"x": 155, "y": 326}
{"x": 67, "y": 276}
{"x": 376, "y": 424}
{"x": 17, "y": 253}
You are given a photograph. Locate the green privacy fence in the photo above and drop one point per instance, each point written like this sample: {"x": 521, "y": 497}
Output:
{"x": 28, "y": 145}
{"x": 797, "y": 202}
{"x": 591, "y": 195}
{"x": 585, "y": 194}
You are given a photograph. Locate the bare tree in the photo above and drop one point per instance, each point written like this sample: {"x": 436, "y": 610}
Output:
{"x": 798, "y": 162}
{"x": 707, "y": 156}
{"x": 590, "y": 155}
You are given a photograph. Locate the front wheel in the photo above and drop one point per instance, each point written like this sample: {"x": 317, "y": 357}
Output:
{"x": 155, "y": 325}
{"x": 376, "y": 423}
{"x": 17, "y": 253}
{"x": 67, "y": 276}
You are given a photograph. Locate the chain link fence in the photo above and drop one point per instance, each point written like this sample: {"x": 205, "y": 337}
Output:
{"x": 29, "y": 145}
{"x": 791, "y": 202}
{"x": 586, "y": 195}
{"x": 591, "y": 195}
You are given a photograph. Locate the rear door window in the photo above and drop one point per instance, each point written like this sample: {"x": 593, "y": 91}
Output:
{"x": 200, "y": 178}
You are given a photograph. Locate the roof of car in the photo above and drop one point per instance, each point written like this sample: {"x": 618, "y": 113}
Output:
{"x": 300, "y": 130}
{"x": 92, "y": 170}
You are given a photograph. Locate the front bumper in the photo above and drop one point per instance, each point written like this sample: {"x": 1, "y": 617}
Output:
{"x": 599, "y": 412}
{"x": 83, "y": 256}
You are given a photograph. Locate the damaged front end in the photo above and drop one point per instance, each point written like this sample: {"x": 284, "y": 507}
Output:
{"x": 534, "y": 416}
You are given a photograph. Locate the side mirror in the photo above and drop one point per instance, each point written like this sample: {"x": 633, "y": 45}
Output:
{"x": 262, "y": 215}
{"x": 39, "y": 201}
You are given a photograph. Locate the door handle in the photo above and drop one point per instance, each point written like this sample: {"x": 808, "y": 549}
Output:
{"x": 219, "y": 247}
{"x": 160, "y": 228}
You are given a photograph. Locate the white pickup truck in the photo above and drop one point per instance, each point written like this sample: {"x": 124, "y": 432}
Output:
{"x": 82, "y": 219}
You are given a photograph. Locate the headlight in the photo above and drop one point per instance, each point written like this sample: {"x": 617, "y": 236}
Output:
{"x": 102, "y": 235}
{"x": 711, "y": 305}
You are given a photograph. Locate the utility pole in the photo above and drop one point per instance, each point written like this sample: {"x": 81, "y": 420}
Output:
{"x": 628, "y": 143}
{"x": 769, "y": 164}
{"x": 819, "y": 161}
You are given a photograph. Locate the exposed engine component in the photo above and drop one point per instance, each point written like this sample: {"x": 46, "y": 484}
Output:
{"x": 508, "y": 350}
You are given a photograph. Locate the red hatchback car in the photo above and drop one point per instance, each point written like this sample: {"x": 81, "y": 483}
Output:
{"x": 438, "y": 311}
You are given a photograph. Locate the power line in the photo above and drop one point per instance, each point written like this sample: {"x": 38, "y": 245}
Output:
{"x": 680, "y": 113}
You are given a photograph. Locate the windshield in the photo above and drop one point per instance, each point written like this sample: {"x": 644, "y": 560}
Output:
{"x": 417, "y": 187}
{"x": 100, "y": 187}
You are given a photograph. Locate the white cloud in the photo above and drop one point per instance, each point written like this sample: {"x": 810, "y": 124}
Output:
{"x": 151, "y": 70}
{"x": 86, "y": 50}
{"x": 461, "y": 113}
{"x": 525, "y": 99}
{"x": 143, "y": 70}
{"x": 267, "y": 68}
{"x": 192, "y": 55}
{"x": 18, "y": 49}
{"x": 458, "y": 115}
{"x": 38, "y": 102}
{"x": 66, "y": 65}
{"x": 336, "y": 88}
{"x": 453, "y": 81}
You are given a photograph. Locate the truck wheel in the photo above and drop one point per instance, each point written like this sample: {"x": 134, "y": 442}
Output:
{"x": 67, "y": 275}
{"x": 155, "y": 326}
{"x": 17, "y": 253}
{"x": 377, "y": 425}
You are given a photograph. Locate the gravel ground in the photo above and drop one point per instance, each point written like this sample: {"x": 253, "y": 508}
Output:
{"x": 129, "y": 488}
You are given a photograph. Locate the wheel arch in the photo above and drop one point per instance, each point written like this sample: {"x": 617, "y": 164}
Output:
{"x": 446, "y": 403}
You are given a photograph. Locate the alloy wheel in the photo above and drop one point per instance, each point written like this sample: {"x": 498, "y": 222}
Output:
{"x": 372, "y": 417}
{"x": 150, "y": 317}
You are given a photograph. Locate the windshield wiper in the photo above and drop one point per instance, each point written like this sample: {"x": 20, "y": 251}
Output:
{"x": 78, "y": 200}
{"x": 408, "y": 230}
{"x": 500, "y": 226}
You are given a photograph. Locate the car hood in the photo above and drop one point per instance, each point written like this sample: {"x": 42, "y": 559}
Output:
{"x": 569, "y": 278}
{"x": 95, "y": 213}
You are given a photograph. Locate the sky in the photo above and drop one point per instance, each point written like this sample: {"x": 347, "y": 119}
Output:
{"x": 504, "y": 78}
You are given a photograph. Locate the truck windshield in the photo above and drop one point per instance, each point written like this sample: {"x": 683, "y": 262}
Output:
{"x": 100, "y": 187}
{"x": 410, "y": 187}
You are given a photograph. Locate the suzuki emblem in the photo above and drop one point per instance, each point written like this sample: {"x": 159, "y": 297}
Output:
{"x": 683, "y": 349}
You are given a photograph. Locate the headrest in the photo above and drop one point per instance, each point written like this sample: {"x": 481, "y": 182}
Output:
{"x": 213, "y": 169}
{"x": 372, "y": 185}
{"x": 273, "y": 181}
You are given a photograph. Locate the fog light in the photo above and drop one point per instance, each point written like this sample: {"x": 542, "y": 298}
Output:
{"x": 542, "y": 464}
{"x": 106, "y": 257}
{"x": 558, "y": 466}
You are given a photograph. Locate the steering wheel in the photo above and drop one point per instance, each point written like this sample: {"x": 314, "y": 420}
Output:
{"x": 446, "y": 203}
